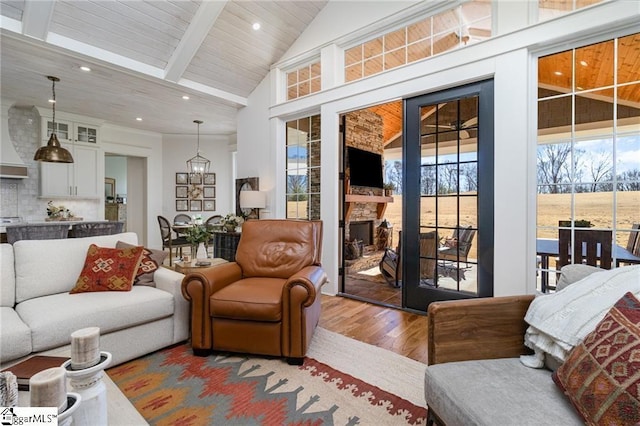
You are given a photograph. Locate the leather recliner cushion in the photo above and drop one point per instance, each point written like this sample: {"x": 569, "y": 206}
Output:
{"x": 276, "y": 248}
{"x": 250, "y": 299}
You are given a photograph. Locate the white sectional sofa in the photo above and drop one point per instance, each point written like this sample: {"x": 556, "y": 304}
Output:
{"x": 38, "y": 314}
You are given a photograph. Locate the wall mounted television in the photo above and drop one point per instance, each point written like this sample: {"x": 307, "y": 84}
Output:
{"x": 365, "y": 168}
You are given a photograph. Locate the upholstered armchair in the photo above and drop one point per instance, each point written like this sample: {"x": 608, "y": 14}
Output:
{"x": 266, "y": 302}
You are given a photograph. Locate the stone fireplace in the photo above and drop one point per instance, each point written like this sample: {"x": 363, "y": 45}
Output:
{"x": 362, "y": 231}
{"x": 364, "y": 206}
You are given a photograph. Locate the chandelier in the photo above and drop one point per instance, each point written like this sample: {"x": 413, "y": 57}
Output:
{"x": 53, "y": 152}
{"x": 198, "y": 165}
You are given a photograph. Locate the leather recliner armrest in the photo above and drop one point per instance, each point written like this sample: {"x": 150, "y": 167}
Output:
{"x": 197, "y": 288}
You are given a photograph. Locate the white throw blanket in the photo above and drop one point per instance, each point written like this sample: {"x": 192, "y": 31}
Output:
{"x": 560, "y": 321}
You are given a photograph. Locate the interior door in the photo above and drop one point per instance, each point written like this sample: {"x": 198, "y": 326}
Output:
{"x": 448, "y": 182}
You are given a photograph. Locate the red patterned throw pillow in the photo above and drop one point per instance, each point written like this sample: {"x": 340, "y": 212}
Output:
{"x": 601, "y": 375}
{"x": 151, "y": 261}
{"x": 108, "y": 269}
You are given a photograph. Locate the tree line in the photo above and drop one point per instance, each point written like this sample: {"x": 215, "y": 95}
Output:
{"x": 557, "y": 163}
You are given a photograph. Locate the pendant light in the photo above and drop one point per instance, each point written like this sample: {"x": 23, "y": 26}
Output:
{"x": 53, "y": 152}
{"x": 198, "y": 165}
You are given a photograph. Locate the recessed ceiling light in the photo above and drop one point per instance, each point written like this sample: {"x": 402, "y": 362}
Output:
{"x": 185, "y": 97}
{"x": 584, "y": 63}
{"x": 138, "y": 118}
{"x": 83, "y": 68}
{"x": 256, "y": 26}
{"x": 558, "y": 72}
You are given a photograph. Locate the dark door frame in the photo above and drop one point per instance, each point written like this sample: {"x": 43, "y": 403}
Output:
{"x": 414, "y": 296}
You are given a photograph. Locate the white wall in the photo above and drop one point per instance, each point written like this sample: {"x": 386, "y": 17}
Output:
{"x": 148, "y": 146}
{"x": 508, "y": 59}
{"x": 116, "y": 167}
{"x": 177, "y": 149}
{"x": 340, "y": 17}
{"x": 257, "y": 156}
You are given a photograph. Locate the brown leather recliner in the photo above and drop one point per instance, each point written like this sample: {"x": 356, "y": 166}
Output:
{"x": 267, "y": 301}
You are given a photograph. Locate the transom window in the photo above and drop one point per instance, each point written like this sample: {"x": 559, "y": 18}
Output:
{"x": 453, "y": 28}
{"x": 304, "y": 81}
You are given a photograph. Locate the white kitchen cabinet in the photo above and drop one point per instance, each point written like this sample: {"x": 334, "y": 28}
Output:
{"x": 71, "y": 132}
{"x": 85, "y": 133}
{"x": 78, "y": 179}
{"x": 81, "y": 136}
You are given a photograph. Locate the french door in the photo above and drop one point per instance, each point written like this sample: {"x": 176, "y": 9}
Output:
{"x": 448, "y": 184}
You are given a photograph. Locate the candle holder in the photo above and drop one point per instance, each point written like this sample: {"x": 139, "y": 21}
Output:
{"x": 73, "y": 403}
{"x": 88, "y": 383}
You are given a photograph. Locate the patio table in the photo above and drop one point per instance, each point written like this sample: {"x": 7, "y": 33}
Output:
{"x": 547, "y": 247}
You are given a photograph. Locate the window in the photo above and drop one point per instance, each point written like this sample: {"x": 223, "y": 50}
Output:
{"x": 303, "y": 168}
{"x": 588, "y": 168}
{"x": 548, "y": 9}
{"x": 462, "y": 25}
{"x": 303, "y": 81}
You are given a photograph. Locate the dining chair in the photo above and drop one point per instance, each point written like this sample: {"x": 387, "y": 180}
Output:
{"x": 45, "y": 231}
{"x": 168, "y": 241}
{"x": 591, "y": 247}
{"x": 213, "y": 223}
{"x": 182, "y": 219}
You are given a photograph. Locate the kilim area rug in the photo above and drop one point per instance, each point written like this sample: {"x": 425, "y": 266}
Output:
{"x": 342, "y": 382}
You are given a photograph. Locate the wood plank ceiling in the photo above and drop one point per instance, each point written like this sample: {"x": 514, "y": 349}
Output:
{"x": 146, "y": 55}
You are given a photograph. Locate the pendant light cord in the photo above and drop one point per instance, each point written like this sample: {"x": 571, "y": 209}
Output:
{"x": 53, "y": 89}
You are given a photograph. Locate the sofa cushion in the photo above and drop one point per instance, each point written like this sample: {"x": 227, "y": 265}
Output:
{"x": 108, "y": 269}
{"x": 151, "y": 261}
{"x": 572, "y": 273}
{"x": 53, "y": 318}
{"x": 496, "y": 392}
{"x": 45, "y": 267}
{"x": 601, "y": 375}
{"x": 15, "y": 338}
{"x": 7, "y": 276}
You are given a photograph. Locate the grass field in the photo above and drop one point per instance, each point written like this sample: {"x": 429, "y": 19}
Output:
{"x": 596, "y": 207}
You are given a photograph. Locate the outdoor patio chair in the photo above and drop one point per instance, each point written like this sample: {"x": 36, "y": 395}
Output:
{"x": 591, "y": 247}
{"x": 633, "y": 244}
{"x": 459, "y": 245}
{"x": 390, "y": 266}
{"x": 391, "y": 263}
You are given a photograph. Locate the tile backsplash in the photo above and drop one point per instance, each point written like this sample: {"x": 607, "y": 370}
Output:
{"x": 20, "y": 197}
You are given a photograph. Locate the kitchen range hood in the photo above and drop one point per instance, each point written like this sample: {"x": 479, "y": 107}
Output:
{"x": 11, "y": 165}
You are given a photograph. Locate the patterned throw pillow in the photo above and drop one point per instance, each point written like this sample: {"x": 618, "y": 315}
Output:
{"x": 601, "y": 375}
{"x": 151, "y": 261}
{"x": 108, "y": 269}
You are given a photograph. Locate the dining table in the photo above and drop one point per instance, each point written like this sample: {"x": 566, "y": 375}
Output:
{"x": 548, "y": 247}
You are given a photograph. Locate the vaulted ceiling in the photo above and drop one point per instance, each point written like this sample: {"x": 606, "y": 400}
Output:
{"x": 145, "y": 56}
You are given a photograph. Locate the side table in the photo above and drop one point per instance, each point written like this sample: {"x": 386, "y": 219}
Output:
{"x": 188, "y": 267}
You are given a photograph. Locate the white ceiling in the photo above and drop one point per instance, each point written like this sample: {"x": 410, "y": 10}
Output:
{"x": 145, "y": 55}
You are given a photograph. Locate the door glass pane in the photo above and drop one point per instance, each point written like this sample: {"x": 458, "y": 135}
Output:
{"x": 449, "y": 184}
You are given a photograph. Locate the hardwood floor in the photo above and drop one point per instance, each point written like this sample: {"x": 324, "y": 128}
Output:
{"x": 401, "y": 332}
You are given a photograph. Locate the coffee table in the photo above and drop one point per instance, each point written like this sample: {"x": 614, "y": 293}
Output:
{"x": 120, "y": 411}
{"x": 187, "y": 267}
